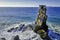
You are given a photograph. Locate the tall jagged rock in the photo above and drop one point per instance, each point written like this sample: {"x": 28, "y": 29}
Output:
{"x": 41, "y": 17}
{"x": 40, "y": 26}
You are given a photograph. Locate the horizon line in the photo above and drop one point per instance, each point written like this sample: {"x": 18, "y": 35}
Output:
{"x": 27, "y": 5}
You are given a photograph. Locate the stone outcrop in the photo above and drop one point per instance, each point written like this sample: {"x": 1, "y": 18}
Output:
{"x": 16, "y": 37}
{"x": 10, "y": 30}
{"x": 3, "y": 39}
{"x": 40, "y": 26}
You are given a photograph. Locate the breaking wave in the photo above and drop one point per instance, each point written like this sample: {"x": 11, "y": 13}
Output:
{"x": 25, "y": 32}
{"x": 54, "y": 27}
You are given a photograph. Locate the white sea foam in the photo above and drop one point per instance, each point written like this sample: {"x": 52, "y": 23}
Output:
{"x": 53, "y": 27}
{"x": 26, "y": 35}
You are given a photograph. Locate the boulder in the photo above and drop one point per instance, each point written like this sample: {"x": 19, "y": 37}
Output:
{"x": 10, "y": 30}
{"x": 3, "y": 39}
{"x": 16, "y": 37}
{"x": 40, "y": 26}
{"x": 21, "y": 27}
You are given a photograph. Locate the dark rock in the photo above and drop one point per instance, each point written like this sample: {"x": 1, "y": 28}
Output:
{"x": 24, "y": 28}
{"x": 21, "y": 27}
{"x": 3, "y": 39}
{"x": 15, "y": 29}
{"x": 40, "y": 26}
{"x": 45, "y": 27}
{"x": 16, "y": 37}
{"x": 10, "y": 30}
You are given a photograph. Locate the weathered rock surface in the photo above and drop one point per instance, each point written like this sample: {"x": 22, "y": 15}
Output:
{"x": 16, "y": 37}
{"x": 40, "y": 24}
{"x": 10, "y": 30}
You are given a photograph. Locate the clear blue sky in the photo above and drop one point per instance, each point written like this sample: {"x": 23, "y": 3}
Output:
{"x": 29, "y": 3}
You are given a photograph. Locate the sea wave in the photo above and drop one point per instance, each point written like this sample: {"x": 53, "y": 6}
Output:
{"x": 55, "y": 28}
{"x": 25, "y": 32}
{"x": 51, "y": 26}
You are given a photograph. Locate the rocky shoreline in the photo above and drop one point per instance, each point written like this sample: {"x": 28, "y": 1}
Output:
{"x": 19, "y": 32}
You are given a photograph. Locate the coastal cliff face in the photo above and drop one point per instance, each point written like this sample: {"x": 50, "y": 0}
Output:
{"x": 40, "y": 24}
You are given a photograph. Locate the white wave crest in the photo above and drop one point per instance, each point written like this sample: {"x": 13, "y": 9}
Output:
{"x": 53, "y": 27}
{"x": 27, "y": 34}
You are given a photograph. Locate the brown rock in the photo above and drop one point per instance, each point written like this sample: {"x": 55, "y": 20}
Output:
{"x": 40, "y": 26}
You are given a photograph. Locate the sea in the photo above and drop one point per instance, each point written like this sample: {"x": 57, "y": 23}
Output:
{"x": 12, "y": 16}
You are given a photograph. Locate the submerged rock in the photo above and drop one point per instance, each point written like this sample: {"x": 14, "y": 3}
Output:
{"x": 15, "y": 29}
{"x": 20, "y": 27}
{"x": 10, "y": 30}
{"x": 16, "y": 37}
{"x": 3, "y": 39}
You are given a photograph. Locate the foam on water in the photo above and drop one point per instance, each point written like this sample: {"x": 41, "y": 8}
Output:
{"x": 26, "y": 35}
{"x": 53, "y": 27}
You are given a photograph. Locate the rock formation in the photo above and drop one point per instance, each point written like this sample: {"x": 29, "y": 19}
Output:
{"x": 3, "y": 39}
{"x": 40, "y": 26}
{"x": 10, "y": 30}
{"x": 16, "y": 37}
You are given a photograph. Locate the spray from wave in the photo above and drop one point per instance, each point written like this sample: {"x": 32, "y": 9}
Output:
{"x": 55, "y": 28}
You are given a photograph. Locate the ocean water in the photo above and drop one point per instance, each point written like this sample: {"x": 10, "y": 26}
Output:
{"x": 12, "y": 16}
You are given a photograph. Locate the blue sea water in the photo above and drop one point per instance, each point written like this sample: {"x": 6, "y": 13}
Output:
{"x": 27, "y": 14}
{"x": 15, "y": 15}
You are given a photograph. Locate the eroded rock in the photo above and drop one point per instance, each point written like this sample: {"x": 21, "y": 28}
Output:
{"x": 16, "y": 37}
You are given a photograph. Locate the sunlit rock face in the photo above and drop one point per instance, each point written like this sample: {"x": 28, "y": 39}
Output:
{"x": 40, "y": 24}
{"x": 42, "y": 17}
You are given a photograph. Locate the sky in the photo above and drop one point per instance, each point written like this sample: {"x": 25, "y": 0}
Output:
{"x": 28, "y": 3}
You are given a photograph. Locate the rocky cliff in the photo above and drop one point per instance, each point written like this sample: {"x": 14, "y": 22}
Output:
{"x": 40, "y": 24}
